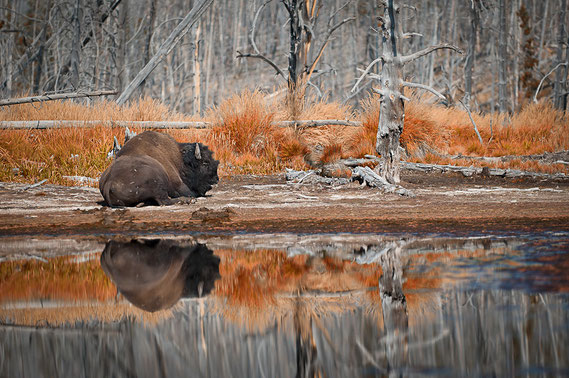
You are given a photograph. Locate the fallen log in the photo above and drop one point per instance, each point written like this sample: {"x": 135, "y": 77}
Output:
{"x": 374, "y": 180}
{"x": 470, "y": 171}
{"x": 54, "y": 124}
{"x": 317, "y": 123}
{"x": 55, "y": 96}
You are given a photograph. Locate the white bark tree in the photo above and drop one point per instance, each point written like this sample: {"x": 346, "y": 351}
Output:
{"x": 391, "y": 85}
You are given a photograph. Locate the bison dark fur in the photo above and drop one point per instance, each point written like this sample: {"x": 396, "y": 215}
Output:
{"x": 152, "y": 168}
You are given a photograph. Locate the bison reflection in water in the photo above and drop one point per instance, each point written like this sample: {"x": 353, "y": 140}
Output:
{"x": 154, "y": 274}
{"x": 152, "y": 168}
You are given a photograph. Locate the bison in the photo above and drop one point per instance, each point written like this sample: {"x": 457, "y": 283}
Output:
{"x": 154, "y": 274}
{"x": 152, "y": 168}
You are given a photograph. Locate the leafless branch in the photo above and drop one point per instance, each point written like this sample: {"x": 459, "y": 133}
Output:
{"x": 257, "y": 54}
{"x": 473, "y": 123}
{"x": 325, "y": 43}
{"x": 366, "y": 71}
{"x": 543, "y": 79}
{"x": 411, "y": 57}
{"x": 423, "y": 87}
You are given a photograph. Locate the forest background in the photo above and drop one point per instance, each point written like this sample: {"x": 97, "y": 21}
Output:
{"x": 511, "y": 48}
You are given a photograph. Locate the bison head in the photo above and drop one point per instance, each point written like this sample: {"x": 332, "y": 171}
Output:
{"x": 200, "y": 168}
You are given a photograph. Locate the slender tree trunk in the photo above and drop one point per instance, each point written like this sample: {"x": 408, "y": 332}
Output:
{"x": 543, "y": 27}
{"x": 502, "y": 53}
{"x": 295, "y": 42}
{"x": 148, "y": 38}
{"x": 561, "y": 39}
{"x": 75, "y": 53}
{"x": 122, "y": 51}
{"x": 197, "y": 70}
{"x": 468, "y": 68}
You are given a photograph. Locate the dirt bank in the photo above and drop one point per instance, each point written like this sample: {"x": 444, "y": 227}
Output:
{"x": 443, "y": 203}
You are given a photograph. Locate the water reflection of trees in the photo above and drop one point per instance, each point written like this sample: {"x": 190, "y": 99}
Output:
{"x": 397, "y": 312}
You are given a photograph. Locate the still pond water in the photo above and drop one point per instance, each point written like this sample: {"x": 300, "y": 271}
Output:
{"x": 286, "y": 305}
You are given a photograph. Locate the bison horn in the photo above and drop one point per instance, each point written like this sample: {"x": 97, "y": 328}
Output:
{"x": 198, "y": 152}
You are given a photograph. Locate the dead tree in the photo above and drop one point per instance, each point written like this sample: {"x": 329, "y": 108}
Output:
{"x": 560, "y": 76}
{"x": 469, "y": 65}
{"x": 303, "y": 15}
{"x": 392, "y": 108}
{"x": 502, "y": 57}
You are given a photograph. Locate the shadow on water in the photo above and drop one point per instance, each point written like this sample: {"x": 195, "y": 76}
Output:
{"x": 276, "y": 306}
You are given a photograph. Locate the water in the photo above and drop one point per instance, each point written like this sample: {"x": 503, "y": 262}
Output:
{"x": 285, "y": 305}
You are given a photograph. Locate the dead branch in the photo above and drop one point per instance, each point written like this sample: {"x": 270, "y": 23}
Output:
{"x": 423, "y": 87}
{"x": 366, "y": 71}
{"x": 331, "y": 30}
{"x": 56, "y": 96}
{"x": 173, "y": 39}
{"x": 257, "y": 54}
{"x": 543, "y": 79}
{"x": 411, "y": 57}
{"x": 473, "y": 123}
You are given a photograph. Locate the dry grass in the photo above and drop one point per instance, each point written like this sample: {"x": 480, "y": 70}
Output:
{"x": 245, "y": 140}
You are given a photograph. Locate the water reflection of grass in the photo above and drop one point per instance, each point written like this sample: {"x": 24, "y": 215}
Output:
{"x": 60, "y": 278}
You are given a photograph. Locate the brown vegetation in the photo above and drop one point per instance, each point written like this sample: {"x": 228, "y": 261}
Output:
{"x": 245, "y": 139}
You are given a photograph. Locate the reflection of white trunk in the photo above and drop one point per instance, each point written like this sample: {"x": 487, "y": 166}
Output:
{"x": 394, "y": 307}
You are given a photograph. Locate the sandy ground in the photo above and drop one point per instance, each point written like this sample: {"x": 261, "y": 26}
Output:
{"x": 444, "y": 203}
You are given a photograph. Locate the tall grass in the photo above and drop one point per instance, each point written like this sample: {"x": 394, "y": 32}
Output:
{"x": 245, "y": 139}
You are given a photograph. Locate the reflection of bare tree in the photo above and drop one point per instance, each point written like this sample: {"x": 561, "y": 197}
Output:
{"x": 306, "y": 351}
{"x": 394, "y": 307}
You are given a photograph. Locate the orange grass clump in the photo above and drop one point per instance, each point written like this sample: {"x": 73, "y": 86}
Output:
{"x": 245, "y": 140}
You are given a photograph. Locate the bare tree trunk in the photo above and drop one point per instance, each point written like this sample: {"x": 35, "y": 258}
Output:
{"x": 561, "y": 39}
{"x": 148, "y": 38}
{"x": 295, "y": 47}
{"x": 122, "y": 51}
{"x": 75, "y": 53}
{"x": 197, "y": 70}
{"x": 502, "y": 53}
{"x": 392, "y": 113}
{"x": 468, "y": 68}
